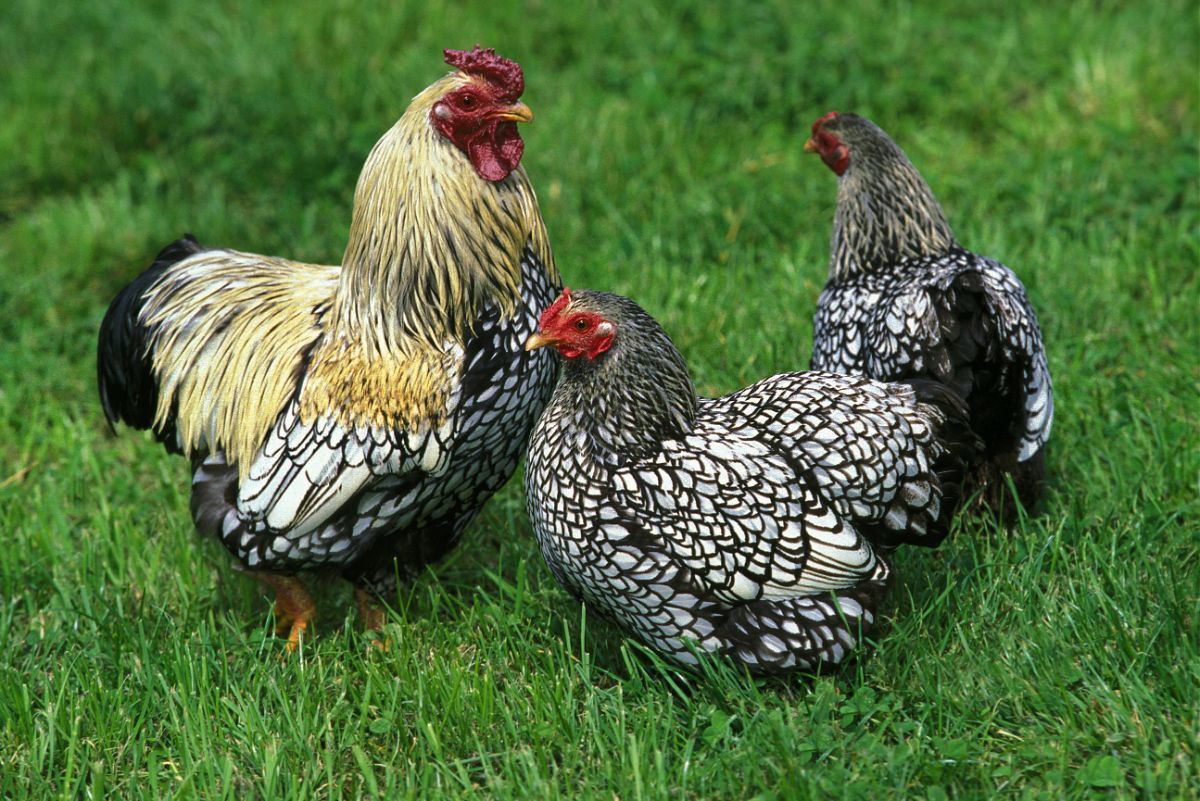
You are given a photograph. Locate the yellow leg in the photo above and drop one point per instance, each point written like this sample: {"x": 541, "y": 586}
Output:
{"x": 372, "y": 613}
{"x": 294, "y": 607}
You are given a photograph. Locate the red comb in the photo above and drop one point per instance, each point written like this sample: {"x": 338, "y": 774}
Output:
{"x": 554, "y": 309}
{"x": 816, "y": 129}
{"x": 504, "y": 73}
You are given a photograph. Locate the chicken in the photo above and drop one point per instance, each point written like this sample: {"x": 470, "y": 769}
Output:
{"x": 756, "y": 525}
{"x": 355, "y": 417}
{"x": 905, "y": 300}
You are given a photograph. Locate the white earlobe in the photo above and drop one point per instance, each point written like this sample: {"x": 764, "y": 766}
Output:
{"x": 441, "y": 111}
{"x": 605, "y": 328}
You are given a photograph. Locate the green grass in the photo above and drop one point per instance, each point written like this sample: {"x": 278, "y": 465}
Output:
{"x": 1057, "y": 659}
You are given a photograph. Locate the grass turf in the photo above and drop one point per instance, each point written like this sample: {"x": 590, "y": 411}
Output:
{"x": 1058, "y": 659}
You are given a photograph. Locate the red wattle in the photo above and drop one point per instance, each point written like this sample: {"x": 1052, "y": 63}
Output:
{"x": 497, "y": 152}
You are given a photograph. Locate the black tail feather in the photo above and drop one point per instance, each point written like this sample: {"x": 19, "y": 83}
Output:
{"x": 962, "y": 449}
{"x": 124, "y": 373}
{"x": 990, "y": 483}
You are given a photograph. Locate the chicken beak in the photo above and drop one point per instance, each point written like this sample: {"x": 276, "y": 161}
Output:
{"x": 517, "y": 112}
{"x": 810, "y": 146}
{"x": 536, "y": 341}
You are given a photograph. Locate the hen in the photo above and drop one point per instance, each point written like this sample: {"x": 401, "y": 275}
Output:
{"x": 756, "y": 525}
{"x": 355, "y": 417}
{"x": 905, "y": 300}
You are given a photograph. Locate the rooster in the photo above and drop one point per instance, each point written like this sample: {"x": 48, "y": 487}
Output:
{"x": 756, "y": 525}
{"x": 355, "y": 417}
{"x": 905, "y": 300}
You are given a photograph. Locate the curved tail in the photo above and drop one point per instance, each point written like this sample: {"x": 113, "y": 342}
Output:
{"x": 124, "y": 371}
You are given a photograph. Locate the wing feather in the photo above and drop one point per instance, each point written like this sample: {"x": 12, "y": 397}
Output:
{"x": 741, "y": 518}
{"x": 966, "y": 321}
{"x": 865, "y": 445}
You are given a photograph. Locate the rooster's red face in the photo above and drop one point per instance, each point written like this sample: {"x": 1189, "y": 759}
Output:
{"x": 481, "y": 116}
{"x": 824, "y": 141}
{"x": 572, "y": 333}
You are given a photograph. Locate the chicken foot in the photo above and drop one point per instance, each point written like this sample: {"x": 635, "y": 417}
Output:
{"x": 294, "y": 607}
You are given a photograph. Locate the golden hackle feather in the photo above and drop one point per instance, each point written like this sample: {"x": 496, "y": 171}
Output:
{"x": 404, "y": 394}
{"x": 431, "y": 243}
{"x": 433, "y": 237}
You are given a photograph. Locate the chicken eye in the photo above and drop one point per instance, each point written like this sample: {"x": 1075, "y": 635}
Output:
{"x": 581, "y": 324}
{"x": 467, "y": 101}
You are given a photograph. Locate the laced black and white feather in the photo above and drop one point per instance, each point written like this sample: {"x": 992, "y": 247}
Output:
{"x": 755, "y": 525}
{"x": 904, "y": 300}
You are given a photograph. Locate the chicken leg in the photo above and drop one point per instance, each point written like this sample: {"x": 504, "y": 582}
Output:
{"x": 373, "y": 615}
{"x": 294, "y": 607}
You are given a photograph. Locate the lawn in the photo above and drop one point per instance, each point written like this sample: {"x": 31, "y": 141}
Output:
{"x": 1056, "y": 659}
